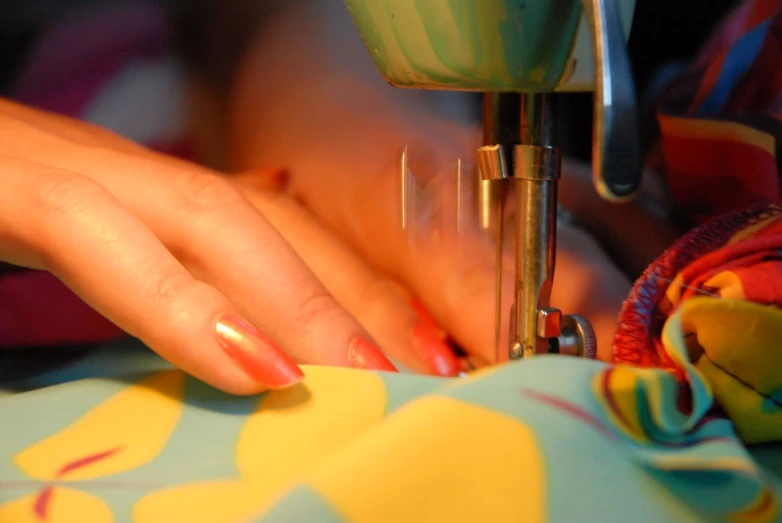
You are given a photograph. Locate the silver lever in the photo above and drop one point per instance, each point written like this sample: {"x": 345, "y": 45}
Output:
{"x": 616, "y": 163}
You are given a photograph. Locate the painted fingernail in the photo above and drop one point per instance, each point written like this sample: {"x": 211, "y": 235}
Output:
{"x": 432, "y": 342}
{"x": 437, "y": 353}
{"x": 256, "y": 354}
{"x": 363, "y": 355}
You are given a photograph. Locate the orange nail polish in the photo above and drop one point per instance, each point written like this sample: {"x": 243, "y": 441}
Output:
{"x": 256, "y": 354}
{"x": 436, "y": 352}
{"x": 364, "y": 355}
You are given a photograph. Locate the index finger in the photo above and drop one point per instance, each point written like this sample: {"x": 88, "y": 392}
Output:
{"x": 62, "y": 222}
{"x": 220, "y": 237}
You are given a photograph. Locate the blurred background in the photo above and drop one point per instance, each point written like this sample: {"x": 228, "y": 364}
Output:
{"x": 664, "y": 32}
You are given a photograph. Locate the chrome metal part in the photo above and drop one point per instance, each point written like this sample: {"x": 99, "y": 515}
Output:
{"x": 616, "y": 155}
{"x": 536, "y": 170}
{"x": 491, "y": 163}
{"x": 577, "y": 337}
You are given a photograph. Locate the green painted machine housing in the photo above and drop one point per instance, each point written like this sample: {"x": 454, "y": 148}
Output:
{"x": 481, "y": 45}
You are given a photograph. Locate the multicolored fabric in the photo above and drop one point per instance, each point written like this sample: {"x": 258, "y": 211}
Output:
{"x": 720, "y": 287}
{"x": 551, "y": 439}
{"x": 721, "y": 133}
{"x": 721, "y": 121}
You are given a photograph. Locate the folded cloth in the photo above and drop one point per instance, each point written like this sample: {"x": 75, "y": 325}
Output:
{"x": 719, "y": 288}
{"x": 718, "y": 291}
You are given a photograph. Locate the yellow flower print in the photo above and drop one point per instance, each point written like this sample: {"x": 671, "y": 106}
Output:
{"x": 124, "y": 432}
{"x": 290, "y": 431}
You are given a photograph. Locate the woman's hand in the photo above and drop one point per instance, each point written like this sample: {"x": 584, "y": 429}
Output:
{"x": 339, "y": 129}
{"x": 388, "y": 311}
{"x": 170, "y": 252}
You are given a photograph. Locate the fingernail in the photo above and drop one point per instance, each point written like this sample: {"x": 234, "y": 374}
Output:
{"x": 432, "y": 342}
{"x": 426, "y": 318}
{"x": 364, "y": 355}
{"x": 437, "y": 353}
{"x": 256, "y": 354}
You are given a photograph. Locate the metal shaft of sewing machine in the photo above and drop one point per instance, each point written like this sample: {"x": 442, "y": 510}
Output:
{"x": 537, "y": 165}
{"x": 535, "y": 327}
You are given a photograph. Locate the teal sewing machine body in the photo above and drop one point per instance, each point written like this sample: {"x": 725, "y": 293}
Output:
{"x": 481, "y": 45}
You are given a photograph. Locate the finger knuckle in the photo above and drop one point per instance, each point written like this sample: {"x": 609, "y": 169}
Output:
{"x": 316, "y": 306}
{"x": 171, "y": 288}
{"x": 207, "y": 193}
{"x": 68, "y": 195}
{"x": 374, "y": 294}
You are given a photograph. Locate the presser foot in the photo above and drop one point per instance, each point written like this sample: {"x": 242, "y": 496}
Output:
{"x": 557, "y": 333}
{"x": 568, "y": 334}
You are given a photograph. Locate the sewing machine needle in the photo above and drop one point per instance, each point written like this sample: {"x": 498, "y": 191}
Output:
{"x": 499, "y": 221}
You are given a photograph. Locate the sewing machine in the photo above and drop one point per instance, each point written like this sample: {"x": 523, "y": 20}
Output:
{"x": 535, "y": 48}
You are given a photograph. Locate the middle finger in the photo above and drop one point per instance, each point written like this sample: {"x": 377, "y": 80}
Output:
{"x": 381, "y": 306}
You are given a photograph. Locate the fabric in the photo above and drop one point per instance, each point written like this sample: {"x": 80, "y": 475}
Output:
{"x": 721, "y": 120}
{"x": 551, "y": 439}
{"x": 721, "y": 285}
{"x": 721, "y": 132}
